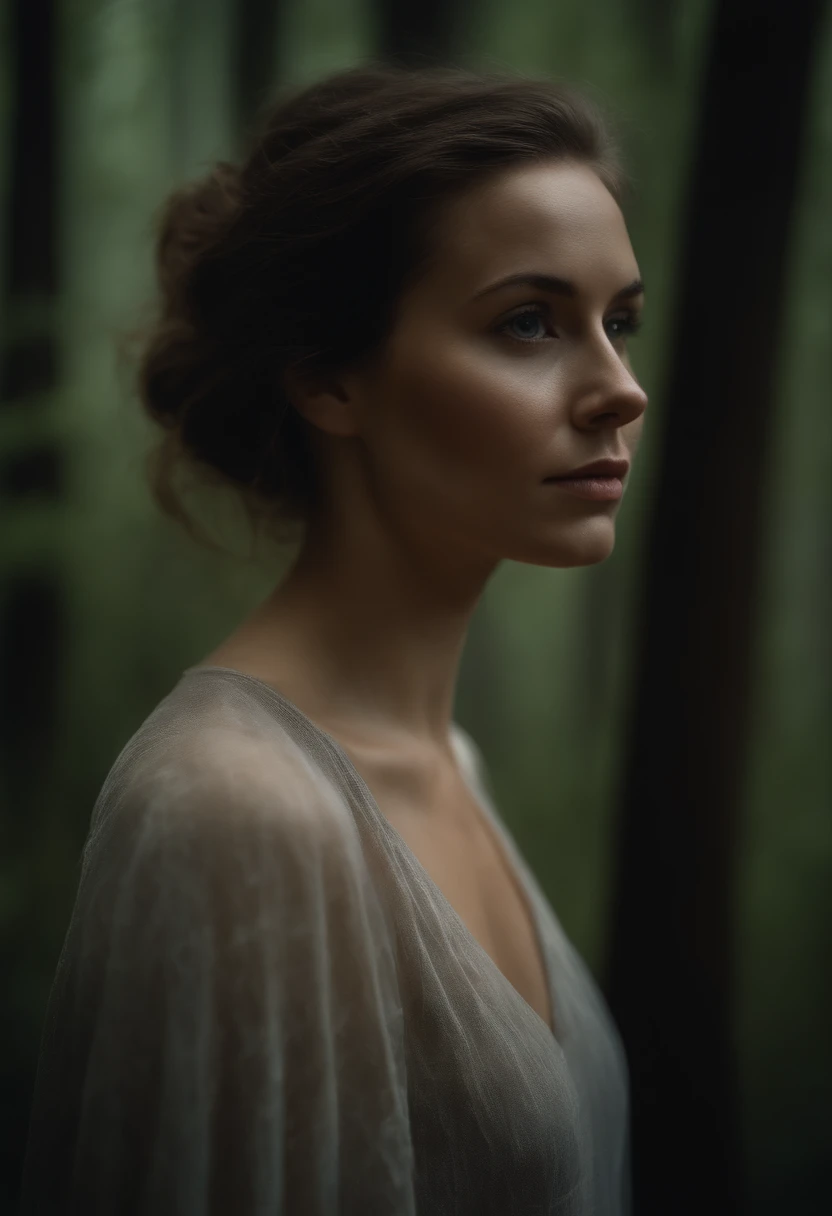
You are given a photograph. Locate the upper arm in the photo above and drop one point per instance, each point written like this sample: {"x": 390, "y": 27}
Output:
{"x": 225, "y": 1028}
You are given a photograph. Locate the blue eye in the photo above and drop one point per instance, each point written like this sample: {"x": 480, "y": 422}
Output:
{"x": 531, "y": 311}
{"x": 628, "y": 325}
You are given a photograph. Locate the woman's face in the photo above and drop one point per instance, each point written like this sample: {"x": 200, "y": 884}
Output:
{"x": 482, "y": 391}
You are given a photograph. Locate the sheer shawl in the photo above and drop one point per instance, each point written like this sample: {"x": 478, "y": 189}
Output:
{"x": 238, "y": 1024}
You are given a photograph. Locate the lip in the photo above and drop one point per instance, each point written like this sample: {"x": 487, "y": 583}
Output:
{"x": 599, "y": 468}
{"x": 601, "y": 489}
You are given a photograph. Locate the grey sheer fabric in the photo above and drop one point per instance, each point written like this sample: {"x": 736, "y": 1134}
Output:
{"x": 265, "y": 1005}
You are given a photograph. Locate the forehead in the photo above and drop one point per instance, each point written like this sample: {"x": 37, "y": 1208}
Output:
{"x": 555, "y": 218}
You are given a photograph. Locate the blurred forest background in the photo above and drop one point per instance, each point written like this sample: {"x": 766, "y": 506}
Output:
{"x": 653, "y": 727}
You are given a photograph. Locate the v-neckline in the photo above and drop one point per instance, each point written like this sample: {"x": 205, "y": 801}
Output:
{"x": 381, "y": 820}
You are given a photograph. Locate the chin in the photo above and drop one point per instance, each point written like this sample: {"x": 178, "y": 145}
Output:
{"x": 587, "y": 547}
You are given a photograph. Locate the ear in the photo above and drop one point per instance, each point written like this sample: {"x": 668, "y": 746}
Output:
{"x": 330, "y": 404}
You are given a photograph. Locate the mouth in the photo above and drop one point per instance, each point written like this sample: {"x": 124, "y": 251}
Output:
{"x": 600, "y": 489}
{"x": 594, "y": 486}
{"x": 598, "y": 470}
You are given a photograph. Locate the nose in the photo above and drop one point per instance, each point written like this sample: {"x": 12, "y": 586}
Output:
{"x": 613, "y": 399}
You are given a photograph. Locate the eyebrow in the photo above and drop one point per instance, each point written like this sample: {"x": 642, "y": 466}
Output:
{"x": 555, "y": 285}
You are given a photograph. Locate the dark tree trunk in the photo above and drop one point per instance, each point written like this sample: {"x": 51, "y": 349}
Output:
{"x": 256, "y": 24}
{"x": 31, "y": 462}
{"x": 32, "y": 609}
{"x": 419, "y": 32}
{"x": 672, "y": 968}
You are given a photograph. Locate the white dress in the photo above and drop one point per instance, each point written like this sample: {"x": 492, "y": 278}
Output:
{"x": 264, "y": 1005}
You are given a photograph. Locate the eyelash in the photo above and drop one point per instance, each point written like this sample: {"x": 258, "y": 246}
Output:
{"x": 631, "y": 323}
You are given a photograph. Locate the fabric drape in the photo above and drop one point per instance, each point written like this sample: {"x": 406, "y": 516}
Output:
{"x": 264, "y": 1005}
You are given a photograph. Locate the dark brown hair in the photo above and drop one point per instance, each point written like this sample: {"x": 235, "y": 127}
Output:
{"x": 297, "y": 256}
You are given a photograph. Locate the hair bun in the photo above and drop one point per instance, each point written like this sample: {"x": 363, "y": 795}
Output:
{"x": 193, "y": 218}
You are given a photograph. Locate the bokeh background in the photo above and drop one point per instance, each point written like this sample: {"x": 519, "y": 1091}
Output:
{"x": 656, "y": 728}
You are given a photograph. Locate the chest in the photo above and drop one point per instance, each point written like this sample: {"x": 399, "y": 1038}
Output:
{"x": 464, "y": 859}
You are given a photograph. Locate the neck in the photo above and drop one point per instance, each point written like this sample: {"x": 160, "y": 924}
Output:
{"x": 372, "y": 633}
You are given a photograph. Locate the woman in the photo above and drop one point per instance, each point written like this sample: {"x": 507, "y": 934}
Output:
{"x": 307, "y": 970}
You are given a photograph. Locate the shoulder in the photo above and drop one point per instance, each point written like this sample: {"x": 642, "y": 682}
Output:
{"x": 221, "y": 769}
{"x": 223, "y": 824}
{"x": 217, "y": 834}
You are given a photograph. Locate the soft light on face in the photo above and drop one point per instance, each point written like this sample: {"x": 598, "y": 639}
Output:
{"x": 481, "y": 394}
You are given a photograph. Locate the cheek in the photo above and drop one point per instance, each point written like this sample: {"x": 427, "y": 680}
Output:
{"x": 469, "y": 414}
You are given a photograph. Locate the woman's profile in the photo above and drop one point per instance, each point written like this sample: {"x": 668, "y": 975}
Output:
{"x": 308, "y": 970}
